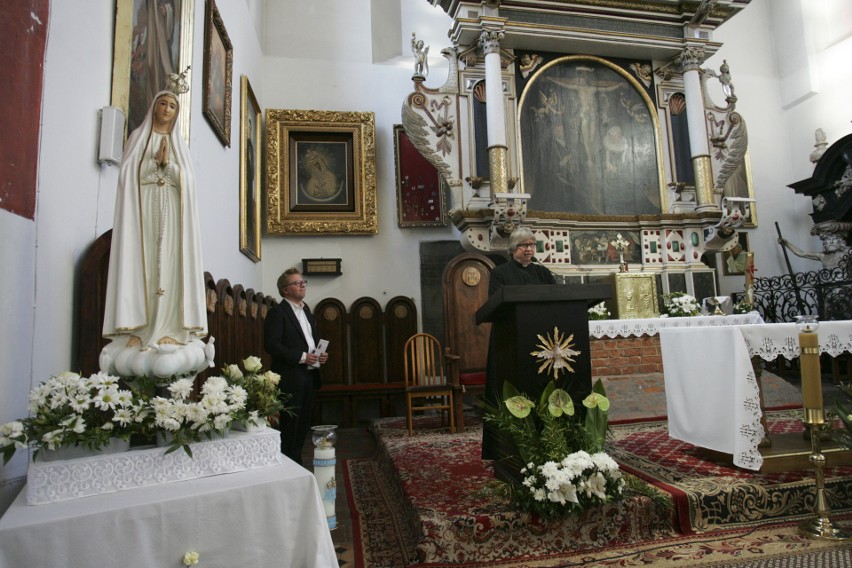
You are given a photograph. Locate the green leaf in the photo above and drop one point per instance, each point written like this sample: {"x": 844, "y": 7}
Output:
{"x": 519, "y": 406}
{"x": 560, "y": 403}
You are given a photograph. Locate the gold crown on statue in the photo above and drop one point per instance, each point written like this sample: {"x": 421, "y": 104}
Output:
{"x": 178, "y": 83}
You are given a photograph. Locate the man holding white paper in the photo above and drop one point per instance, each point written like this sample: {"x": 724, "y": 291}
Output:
{"x": 291, "y": 338}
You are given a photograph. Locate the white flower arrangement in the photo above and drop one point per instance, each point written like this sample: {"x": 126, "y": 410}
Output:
{"x": 71, "y": 410}
{"x": 560, "y": 452}
{"x": 577, "y": 481}
{"x": 599, "y": 312}
{"x": 679, "y": 304}
{"x": 185, "y": 421}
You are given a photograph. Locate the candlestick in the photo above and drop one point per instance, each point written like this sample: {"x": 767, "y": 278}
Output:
{"x": 325, "y": 463}
{"x": 811, "y": 374}
{"x": 811, "y": 377}
{"x": 820, "y": 525}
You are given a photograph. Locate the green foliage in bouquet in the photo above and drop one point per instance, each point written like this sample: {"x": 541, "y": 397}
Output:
{"x": 264, "y": 401}
{"x": 71, "y": 410}
{"x": 679, "y": 304}
{"x": 743, "y": 307}
{"x": 565, "y": 468}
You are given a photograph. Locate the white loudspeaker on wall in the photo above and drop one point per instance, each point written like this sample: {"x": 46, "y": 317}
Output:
{"x": 111, "y": 144}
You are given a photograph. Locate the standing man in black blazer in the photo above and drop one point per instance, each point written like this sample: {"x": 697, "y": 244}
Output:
{"x": 290, "y": 336}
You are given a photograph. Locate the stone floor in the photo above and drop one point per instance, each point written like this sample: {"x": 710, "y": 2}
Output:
{"x": 632, "y": 397}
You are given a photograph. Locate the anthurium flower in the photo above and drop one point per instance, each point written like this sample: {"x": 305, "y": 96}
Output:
{"x": 519, "y": 406}
{"x": 596, "y": 400}
{"x": 559, "y": 402}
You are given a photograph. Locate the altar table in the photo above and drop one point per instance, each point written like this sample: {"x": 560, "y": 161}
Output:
{"x": 270, "y": 516}
{"x": 712, "y": 394}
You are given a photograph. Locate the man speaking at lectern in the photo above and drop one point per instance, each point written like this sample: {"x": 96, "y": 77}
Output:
{"x": 520, "y": 270}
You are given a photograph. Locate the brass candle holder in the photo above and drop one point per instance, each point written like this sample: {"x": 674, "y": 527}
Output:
{"x": 819, "y": 526}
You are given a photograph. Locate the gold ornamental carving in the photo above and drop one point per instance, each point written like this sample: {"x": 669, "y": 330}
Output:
{"x": 634, "y": 297}
{"x": 471, "y": 276}
{"x": 498, "y": 168}
{"x": 703, "y": 182}
{"x": 400, "y": 311}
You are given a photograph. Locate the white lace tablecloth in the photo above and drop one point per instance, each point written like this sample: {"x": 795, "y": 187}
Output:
{"x": 712, "y": 396}
{"x": 711, "y": 392}
{"x": 652, "y": 326}
{"x": 270, "y": 516}
{"x": 770, "y": 340}
{"x": 52, "y": 481}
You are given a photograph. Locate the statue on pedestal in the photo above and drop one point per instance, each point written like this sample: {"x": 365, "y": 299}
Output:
{"x": 155, "y": 312}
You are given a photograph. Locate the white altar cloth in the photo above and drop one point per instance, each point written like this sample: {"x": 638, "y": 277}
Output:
{"x": 712, "y": 396}
{"x": 652, "y": 326}
{"x": 711, "y": 392}
{"x": 272, "y": 516}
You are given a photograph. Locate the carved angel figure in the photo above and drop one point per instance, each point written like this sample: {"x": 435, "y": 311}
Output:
{"x": 421, "y": 56}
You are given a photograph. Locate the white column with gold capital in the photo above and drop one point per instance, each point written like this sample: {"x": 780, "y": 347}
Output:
{"x": 690, "y": 60}
{"x": 325, "y": 463}
{"x": 495, "y": 111}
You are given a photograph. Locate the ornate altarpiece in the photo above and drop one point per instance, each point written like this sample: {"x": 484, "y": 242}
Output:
{"x": 609, "y": 127}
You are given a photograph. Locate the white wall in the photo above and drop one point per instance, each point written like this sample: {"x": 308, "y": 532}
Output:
{"x": 784, "y": 97}
{"x": 315, "y": 62}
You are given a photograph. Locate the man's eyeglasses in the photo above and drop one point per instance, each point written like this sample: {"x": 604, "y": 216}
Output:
{"x": 298, "y": 283}
{"x": 526, "y": 245}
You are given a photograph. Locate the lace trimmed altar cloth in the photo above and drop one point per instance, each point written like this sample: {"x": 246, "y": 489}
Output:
{"x": 53, "y": 481}
{"x": 712, "y": 395}
{"x": 652, "y": 326}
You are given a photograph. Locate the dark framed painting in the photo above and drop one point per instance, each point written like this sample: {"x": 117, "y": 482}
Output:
{"x": 321, "y": 172}
{"x": 250, "y": 182}
{"x": 734, "y": 260}
{"x": 152, "y": 40}
{"x": 218, "y": 71}
{"x": 421, "y": 190}
{"x": 590, "y": 141}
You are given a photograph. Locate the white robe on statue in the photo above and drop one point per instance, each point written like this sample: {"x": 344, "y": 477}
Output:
{"x": 155, "y": 287}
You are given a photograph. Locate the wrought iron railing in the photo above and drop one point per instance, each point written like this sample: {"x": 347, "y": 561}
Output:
{"x": 826, "y": 293}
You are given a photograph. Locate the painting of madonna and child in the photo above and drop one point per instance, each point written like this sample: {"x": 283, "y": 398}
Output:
{"x": 588, "y": 140}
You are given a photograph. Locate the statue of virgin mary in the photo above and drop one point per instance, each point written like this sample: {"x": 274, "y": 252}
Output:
{"x": 155, "y": 310}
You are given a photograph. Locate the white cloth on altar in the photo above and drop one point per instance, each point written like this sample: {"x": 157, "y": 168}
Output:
{"x": 771, "y": 340}
{"x": 712, "y": 395}
{"x": 271, "y": 516}
{"x": 652, "y": 326}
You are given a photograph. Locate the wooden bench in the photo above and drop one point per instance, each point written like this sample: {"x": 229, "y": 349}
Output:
{"x": 350, "y": 395}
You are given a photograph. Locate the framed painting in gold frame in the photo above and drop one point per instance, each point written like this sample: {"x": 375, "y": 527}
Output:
{"x": 142, "y": 65}
{"x": 420, "y": 187}
{"x": 218, "y": 73}
{"x": 250, "y": 181}
{"x": 320, "y": 172}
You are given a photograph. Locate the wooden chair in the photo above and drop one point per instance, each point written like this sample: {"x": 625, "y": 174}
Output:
{"x": 426, "y": 385}
{"x": 465, "y": 288}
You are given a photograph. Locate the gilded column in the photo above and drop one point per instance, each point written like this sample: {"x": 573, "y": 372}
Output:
{"x": 495, "y": 112}
{"x": 690, "y": 60}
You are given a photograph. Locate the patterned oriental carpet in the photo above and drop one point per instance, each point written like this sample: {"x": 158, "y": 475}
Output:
{"x": 708, "y": 495}
{"x": 421, "y": 502}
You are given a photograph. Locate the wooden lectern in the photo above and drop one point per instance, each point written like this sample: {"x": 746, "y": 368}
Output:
{"x": 520, "y": 314}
